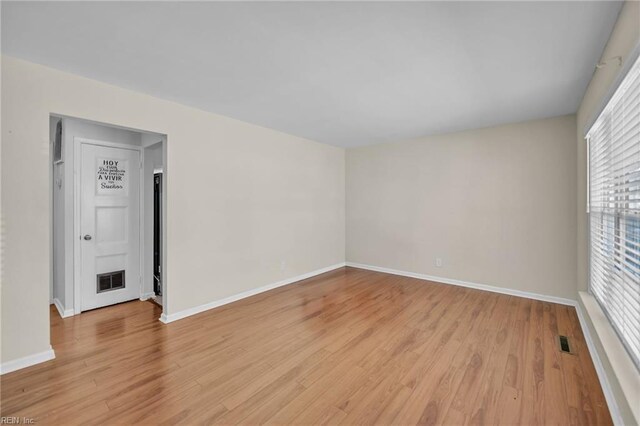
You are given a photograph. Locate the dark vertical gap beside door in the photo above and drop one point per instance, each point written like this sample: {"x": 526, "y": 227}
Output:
{"x": 157, "y": 234}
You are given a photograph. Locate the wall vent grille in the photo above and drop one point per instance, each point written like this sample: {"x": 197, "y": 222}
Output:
{"x": 110, "y": 281}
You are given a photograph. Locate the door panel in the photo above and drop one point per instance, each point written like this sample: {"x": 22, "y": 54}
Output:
{"x": 109, "y": 225}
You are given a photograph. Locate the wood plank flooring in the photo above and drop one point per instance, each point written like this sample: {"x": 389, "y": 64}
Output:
{"x": 346, "y": 347}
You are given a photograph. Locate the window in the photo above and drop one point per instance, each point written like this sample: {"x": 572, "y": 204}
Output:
{"x": 614, "y": 210}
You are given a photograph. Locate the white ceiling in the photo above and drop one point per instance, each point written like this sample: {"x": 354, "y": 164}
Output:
{"x": 346, "y": 74}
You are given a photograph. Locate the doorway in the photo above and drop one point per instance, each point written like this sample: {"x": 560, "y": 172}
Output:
{"x": 105, "y": 247}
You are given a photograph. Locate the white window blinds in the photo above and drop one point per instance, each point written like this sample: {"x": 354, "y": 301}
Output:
{"x": 614, "y": 210}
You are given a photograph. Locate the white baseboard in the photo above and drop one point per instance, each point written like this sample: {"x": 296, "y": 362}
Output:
{"x": 27, "y": 361}
{"x": 147, "y": 296}
{"x": 485, "y": 287}
{"x": 197, "y": 309}
{"x": 64, "y": 313}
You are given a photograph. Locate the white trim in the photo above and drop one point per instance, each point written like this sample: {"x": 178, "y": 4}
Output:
{"x": 64, "y": 313}
{"x": 602, "y": 375}
{"x": 588, "y": 183}
{"x": 147, "y": 296}
{"x": 27, "y": 361}
{"x": 109, "y": 144}
{"x": 197, "y": 309}
{"x": 165, "y": 235}
{"x": 468, "y": 284}
{"x": 77, "y": 271}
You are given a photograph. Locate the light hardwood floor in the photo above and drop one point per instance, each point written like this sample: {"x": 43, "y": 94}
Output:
{"x": 350, "y": 346}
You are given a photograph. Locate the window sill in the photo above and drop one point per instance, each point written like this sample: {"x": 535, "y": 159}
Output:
{"x": 621, "y": 373}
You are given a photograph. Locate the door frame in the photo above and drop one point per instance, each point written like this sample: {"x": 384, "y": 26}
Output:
{"x": 77, "y": 249}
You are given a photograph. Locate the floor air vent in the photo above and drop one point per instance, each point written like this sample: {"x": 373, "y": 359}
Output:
{"x": 563, "y": 341}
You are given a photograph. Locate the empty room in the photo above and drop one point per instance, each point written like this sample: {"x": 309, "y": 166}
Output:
{"x": 309, "y": 212}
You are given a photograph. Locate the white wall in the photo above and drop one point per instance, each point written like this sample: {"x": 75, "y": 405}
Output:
{"x": 496, "y": 204}
{"x": 242, "y": 200}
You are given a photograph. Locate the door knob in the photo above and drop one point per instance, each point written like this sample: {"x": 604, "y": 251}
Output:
{"x": 87, "y": 237}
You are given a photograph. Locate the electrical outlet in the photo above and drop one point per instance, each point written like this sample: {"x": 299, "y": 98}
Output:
{"x": 439, "y": 262}
{"x": 283, "y": 265}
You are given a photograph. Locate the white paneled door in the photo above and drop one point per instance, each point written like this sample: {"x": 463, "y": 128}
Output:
{"x": 109, "y": 225}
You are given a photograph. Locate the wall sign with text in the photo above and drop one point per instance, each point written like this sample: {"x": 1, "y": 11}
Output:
{"x": 112, "y": 176}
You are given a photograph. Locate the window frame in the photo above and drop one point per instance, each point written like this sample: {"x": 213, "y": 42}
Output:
{"x": 618, "y": 231}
